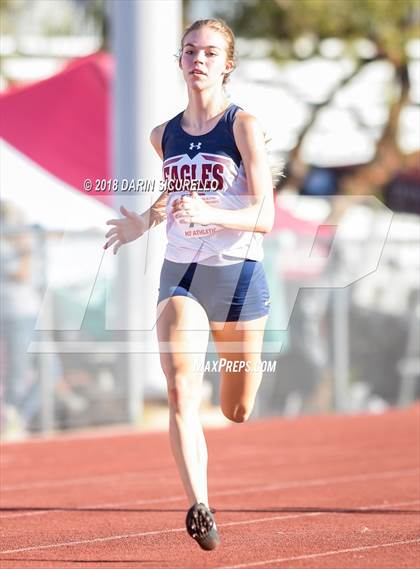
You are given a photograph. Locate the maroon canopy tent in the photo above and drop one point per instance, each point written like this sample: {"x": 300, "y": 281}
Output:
{"x": 63, "y": 122}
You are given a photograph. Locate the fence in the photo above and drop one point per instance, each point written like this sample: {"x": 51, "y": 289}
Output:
{"x": 336, "y": 347}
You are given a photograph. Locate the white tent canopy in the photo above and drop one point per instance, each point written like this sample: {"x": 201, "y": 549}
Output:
{"x": 44, "y": 199}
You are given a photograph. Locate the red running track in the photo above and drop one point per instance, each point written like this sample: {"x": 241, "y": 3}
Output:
{"x": 314, "y": 492}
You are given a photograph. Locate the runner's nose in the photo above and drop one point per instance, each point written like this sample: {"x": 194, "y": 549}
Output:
{"x": 199, "y": 57}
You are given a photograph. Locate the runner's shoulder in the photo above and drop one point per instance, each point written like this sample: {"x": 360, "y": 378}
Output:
{"x": 156, "y": 137}
{"x": 244, "y": 121}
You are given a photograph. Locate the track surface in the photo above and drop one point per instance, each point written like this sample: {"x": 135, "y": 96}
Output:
{"x": 314, "y": 492}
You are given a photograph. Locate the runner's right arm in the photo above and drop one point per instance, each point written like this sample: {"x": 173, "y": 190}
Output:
{"x": 157, "y": 212}
{"x": 134, "y": 225}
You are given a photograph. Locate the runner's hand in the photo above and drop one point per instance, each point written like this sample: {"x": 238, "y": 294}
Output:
{"x": 192, "y": 209}
{"x": 127, "y": 229}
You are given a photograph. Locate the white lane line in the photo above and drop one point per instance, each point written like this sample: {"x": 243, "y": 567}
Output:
{"x": 175, "y": 530}
{"x": 315, "y": 555}
{"x": 233, "y": 492}
{"x": 323, "y": 513}
{"x": 142, "y": 534}
{"x": 168, "y": 467}
{"x": 89, "y": 541}
{"x": 99, "y": 507}
{"x": 111, "y": 433}
{"x": 322, "y": 481}
{"x": 81, "y": 509}
{"x": 82, "y": 480}
{"x": 117, "y": 476}
{"x": 285, "y": 460}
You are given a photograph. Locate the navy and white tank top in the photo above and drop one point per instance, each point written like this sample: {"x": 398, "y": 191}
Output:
{"x": 213, "y": 165}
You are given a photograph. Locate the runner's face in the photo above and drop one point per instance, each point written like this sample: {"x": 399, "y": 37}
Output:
{"x": 204, "y": 59}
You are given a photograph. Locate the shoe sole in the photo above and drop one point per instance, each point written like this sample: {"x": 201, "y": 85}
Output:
{"x": 199, "y": 518}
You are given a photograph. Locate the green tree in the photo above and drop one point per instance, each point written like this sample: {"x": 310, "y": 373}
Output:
{"x": 389, "y": 24}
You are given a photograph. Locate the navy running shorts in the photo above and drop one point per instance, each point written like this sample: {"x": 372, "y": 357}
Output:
{"x": 227, "y": 293}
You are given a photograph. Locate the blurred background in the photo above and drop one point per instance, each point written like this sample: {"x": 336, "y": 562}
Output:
{"x": 336, "y": 86}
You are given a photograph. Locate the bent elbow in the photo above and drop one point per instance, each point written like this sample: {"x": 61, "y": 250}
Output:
{"x": 263, "y": 228}
{"x": 266, "y": 229}
{"x": 266, "y": 225}
{"x": 266, "y": 217}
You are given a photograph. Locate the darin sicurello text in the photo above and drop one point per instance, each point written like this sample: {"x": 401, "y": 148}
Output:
{"x": 148, "y": 185}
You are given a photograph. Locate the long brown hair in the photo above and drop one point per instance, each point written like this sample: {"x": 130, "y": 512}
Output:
{"x": 218, "y": 26}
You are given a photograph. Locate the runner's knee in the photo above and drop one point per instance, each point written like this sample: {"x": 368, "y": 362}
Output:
{"x": 183, "y": 394}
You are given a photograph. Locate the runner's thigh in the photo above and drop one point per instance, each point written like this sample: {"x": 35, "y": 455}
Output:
{"x": 239, "y": 342}
{"x": 183, "y": 333}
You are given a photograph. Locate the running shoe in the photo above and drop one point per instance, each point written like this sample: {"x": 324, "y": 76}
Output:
{"x": 202, "y": 527}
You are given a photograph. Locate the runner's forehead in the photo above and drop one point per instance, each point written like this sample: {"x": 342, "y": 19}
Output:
{"x": 211, "y": 38}
{"x": 190, "y": 44}
{"x": 202, "y": 46}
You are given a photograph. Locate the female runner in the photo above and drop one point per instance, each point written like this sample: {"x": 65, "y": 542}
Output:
{"x": 218, "y": 203}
